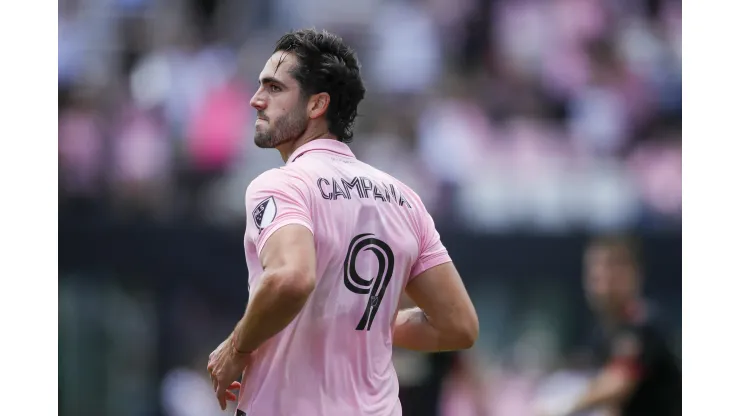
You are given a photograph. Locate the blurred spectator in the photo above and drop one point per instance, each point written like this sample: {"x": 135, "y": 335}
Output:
{"x": 543, "y": 131}
{"x": 469, "y": 389}
{"x": 218, "y": 125}
{"x": 70, "y": 43}
{"x": 405, "y": 52}
{"x": 81, "y": 145}
{"x": 657, "y": 168}
{"x": 141, "y": 169}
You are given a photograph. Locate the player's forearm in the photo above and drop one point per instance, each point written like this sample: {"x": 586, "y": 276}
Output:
{"x": 414, "y": 331}
{"x": 588, "y": 401}
{"x": 276, "y": 301}
{"x": 603, "y": 392}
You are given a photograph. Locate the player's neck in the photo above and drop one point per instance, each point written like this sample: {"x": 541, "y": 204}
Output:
{"x": 630, "y": 311}
{"x": 288, "y": 149}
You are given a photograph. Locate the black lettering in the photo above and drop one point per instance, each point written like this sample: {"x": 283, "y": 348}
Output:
{"x": 357, "y": 284}
{"x": 367, "y": 185}
{"x": 377, "y": 194}
{"x": 323, "y": 194}
{"x": 402, "y": 200}
{"x": 387, "y": 193}
{"x": 354, "y": 184}
{"x": 338, "y": 190}
{"x": 363, "y": 186}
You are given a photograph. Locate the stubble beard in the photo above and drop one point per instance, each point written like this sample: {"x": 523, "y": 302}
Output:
{"x": 286, "y": 129}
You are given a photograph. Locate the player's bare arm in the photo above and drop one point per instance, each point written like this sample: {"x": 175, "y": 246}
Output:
{"x": 612, "y": 386}
{"x": 445, "y": 319}
{"x": 289, "y": 262}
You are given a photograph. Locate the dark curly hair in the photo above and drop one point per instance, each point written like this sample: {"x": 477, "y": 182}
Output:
{"x": 326, "y": 64}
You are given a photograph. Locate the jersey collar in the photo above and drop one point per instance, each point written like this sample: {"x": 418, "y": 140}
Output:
{"x": 330, "y": 145}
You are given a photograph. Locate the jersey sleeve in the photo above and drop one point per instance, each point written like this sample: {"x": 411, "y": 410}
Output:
{"x": 274, "y": 200}
{"x": 431, "y": 250}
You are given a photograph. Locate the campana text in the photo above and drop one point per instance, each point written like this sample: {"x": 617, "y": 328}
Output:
{"x": 360, "y": 187}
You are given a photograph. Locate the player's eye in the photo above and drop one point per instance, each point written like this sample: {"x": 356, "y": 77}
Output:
{"x": 274, "y": 88}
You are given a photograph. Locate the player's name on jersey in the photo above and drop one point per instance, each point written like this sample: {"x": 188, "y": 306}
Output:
{"x": 361, "y": 187}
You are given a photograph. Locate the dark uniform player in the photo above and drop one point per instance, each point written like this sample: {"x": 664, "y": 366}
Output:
{"x": 640, "y": 376}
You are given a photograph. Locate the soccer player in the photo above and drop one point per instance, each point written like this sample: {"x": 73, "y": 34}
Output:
{"x": 640, "y": 374}
{"x": 331, "y": 245}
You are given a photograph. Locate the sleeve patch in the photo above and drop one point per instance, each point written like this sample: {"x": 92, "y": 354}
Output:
{"x": 264, "y": 214}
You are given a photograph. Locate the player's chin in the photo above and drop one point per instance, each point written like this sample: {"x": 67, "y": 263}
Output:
{"x": 263, "y": 141}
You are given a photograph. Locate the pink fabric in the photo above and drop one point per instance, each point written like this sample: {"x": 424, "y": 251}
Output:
{"x": 329, "y": 361}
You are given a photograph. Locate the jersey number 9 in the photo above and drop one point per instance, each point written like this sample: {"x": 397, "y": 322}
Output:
{"x": 376, "y": 285}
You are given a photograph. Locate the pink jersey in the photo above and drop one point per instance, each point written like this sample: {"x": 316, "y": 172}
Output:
{"x": 372, "y": 235}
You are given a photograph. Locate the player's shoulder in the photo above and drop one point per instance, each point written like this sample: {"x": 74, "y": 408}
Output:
{"x": 273, "y": 178}
{"x": 408, "y": 192}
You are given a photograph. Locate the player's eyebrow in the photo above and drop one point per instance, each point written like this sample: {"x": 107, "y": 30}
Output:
{"x": 270, "y": 80}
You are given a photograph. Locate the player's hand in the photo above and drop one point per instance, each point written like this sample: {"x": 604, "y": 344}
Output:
{"x": 225, "y": 365}
{"x": 231, "y": 396}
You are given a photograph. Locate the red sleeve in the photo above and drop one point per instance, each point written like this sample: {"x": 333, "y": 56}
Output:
{"x": 628, "y": 355}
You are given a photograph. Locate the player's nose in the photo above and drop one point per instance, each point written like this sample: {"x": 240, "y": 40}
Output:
{"x": 257, "y": 101}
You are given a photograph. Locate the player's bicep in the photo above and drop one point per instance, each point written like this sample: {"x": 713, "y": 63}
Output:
{"x": 290, "y": 253}
{"x": 441, "y": 294}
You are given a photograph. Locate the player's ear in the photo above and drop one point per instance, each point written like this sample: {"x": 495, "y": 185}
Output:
{"x": 318, "y": 104}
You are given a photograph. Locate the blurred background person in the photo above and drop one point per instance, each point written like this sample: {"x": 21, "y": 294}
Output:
{"x": 639, "y": 373}
{"x": 526, "y": 127}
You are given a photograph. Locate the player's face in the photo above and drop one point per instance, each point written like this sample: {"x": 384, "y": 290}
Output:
{"x": 281, "y": 110}
{"x": 610, "y": 278}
